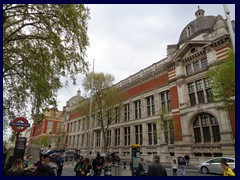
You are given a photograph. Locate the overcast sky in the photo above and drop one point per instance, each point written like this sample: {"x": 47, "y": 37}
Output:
{"x": 127, "y": 38}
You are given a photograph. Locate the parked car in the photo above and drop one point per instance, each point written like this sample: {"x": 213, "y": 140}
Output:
{"x": 214, "y": 165}
{"x": 70, "y": 155}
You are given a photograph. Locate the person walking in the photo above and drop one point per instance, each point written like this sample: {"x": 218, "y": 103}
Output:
{"x": 16, "y": 169}
{"x": 174, "y": 167}
{"x": 79, "y": 167}
{"x": 227, "y": 170}
{"x": 156, "y": 169}
{"x": 187, "y": 158}
{"x": 45, "y": 169}
{"x": 182, "y": 165}
{"x": 59, "y": 163}
{"x": 142, "y": 168}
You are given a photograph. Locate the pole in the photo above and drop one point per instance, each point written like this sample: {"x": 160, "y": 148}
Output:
{"x": 90, "y": 115}
{"x": 232, "y": 35}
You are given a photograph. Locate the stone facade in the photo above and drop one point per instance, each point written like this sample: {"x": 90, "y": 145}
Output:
{"x": 169, "y": 110}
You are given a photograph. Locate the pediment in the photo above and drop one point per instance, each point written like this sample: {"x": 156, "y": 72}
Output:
{"x": 189, "y": 49}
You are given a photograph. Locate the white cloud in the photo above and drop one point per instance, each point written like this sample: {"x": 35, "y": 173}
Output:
{"x": 127, "y": 38}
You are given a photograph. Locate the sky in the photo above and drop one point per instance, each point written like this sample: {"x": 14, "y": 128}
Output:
{"x": 126, "y": 38}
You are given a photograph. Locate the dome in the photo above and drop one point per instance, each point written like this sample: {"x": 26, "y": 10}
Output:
{"x": 202, "y": 24}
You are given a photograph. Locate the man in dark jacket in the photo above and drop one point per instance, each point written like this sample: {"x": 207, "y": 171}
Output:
{"x": 156, "y": 169}
{"x": 59, "y": 163}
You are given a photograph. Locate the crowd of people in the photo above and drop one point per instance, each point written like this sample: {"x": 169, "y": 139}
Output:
{"x": 83, "y": 167}
{"x": 101, "y": 165}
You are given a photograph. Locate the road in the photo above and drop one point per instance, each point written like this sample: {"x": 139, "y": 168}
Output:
{"x": 68, "y": 171}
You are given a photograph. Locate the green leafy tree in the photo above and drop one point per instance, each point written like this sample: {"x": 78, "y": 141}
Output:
{"x": 41, "y": 44}
{"x": 43, "y": 140}
{"x": 222, "y": 80}
{"x": 106, "y": 98}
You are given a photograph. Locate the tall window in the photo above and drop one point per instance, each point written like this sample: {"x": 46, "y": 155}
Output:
{"x": 117, "y": 137}
{"x": 83, "y": 139}
{"x": 200, "y": 92}
{"x": 137, "y": 106}
{"x": 165, "y": 99}
{"x": 204, "y": 63}
{"x": 189, "y": 69}
{"x": 109, "y": 134}
{"x": 83, "y": 124}
{"x": 98, "y": 142}
{"x": 150, "y": 106}
{"x": 206, "y": 129}
{"x": 208, "y": 89}
{"x": 196, "y": 66}
{"x": 152, "y": 134}
{"x": 168, "y": 131}
{"x": 127, "y": 136}
{"x": 117, "y": 114}
{"x": 126, "y": 112}
{"x": 49, "y": 127}
{"x": 138, "y": 134}
{"x": 191, "y": 90}
{"x": 199, "y": 87}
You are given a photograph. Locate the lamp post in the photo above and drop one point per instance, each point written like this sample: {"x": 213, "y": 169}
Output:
{"x": 232, "y": 35}
{"x": 50, "y": 140}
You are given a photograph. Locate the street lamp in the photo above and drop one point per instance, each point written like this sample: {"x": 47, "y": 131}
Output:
{"x": 50, "y": 140}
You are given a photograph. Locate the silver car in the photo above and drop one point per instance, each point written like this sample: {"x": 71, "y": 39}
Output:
{"x": 214, "y": 165}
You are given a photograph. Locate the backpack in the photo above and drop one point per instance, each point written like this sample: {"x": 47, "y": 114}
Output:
{"x": 181, "y": 161}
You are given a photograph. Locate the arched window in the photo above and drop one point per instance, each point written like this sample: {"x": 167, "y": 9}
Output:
{"x": 206, "y": 128}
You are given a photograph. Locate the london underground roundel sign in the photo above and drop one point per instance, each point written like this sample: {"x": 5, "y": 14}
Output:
{"x": 19, "y": 124}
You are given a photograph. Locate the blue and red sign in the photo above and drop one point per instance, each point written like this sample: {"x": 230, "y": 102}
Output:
{"x": 19, "y": 124}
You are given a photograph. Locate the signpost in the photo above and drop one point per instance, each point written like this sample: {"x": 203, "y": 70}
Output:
{"x": 18, "y": 125}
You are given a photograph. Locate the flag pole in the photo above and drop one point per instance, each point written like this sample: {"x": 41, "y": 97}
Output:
{"x": 90, "y": 115}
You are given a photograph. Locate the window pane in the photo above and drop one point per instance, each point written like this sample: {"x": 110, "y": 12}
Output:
{"x": 216, "y": 133}
{"x": 197, "y": 135}
{"x": 191, "y": 88}
{"x": 199, "y": 86}
{"x": 206, "y": 134}
{"x": 196, "y": 66}
{"x": 192, "y": 99}
{"x": 204, "y": 63}
{"x": 200, "y": 97}
{"x": 189, "y": 69}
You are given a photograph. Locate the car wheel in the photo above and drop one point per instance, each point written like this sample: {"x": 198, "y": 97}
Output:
{"x": 204, "y": 170}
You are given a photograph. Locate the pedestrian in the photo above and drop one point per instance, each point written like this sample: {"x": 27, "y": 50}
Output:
{"x": 227, "y": 170}
{"x": 45, "y": 169}
{"x": 28, "y": 166}
{"x": 174, "y": 167}
{"x": 108, "y": 166}
{"x": 16, "y": 169}
{"x": 156, "y": 169}
{"x": 88, "y": 169}
{"x": 187, "y": 158}
{"x": 59, "y": 163}
{"x": 97, "y": 164}
{"x": 182, "y": 165}
{"x": 79, "y": 167}
{"x": 142, "y": 168}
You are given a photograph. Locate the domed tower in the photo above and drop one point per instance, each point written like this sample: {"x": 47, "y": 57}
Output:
{"x": 202, "y": 24}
